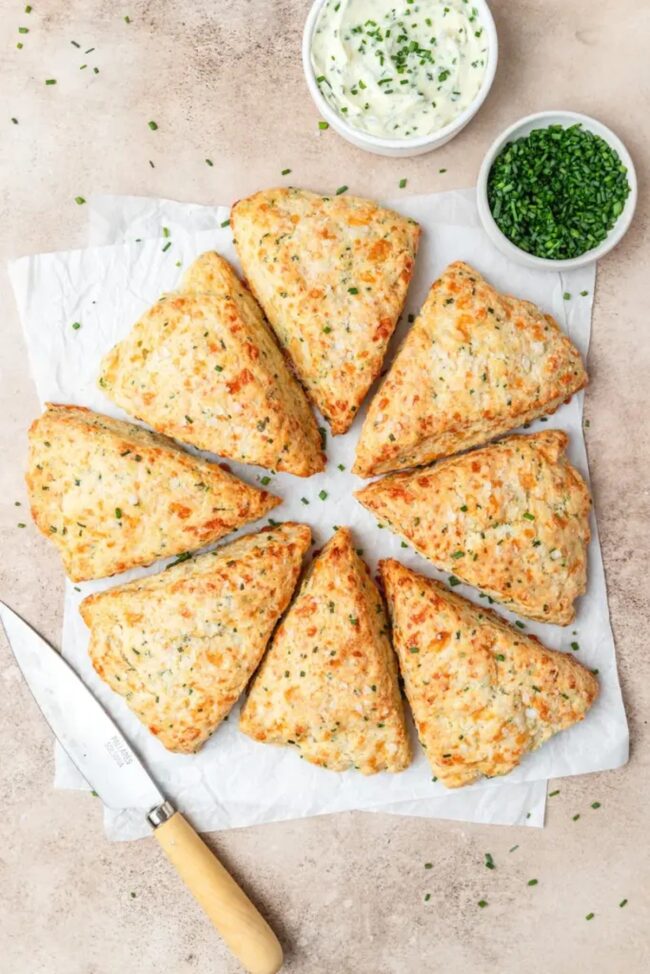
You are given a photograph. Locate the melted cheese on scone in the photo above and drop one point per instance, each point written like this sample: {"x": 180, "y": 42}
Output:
{"x": 112, "y": 495}
{"x": 331, "y": 273}
{"x": 202, "y": 366}
{"x": 181, "y": 646}
{"x": 512, "y": 519}
{"x": 328, "y": 684}
{"x": 475, "y": 364}
{"x": 482, "y": 693}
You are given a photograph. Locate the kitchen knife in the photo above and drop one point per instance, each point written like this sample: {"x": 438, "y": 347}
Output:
{"x": 110, "y": 766}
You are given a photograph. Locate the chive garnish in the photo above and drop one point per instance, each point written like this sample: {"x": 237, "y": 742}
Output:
{"x": 79, "y": 200}
{"x": 76, "y": 325}
{"x": 402, "y": 183}
{"x": 285, "y": 172}
{"x": 209, "y": 162}
{"x": 152, "y": 125}
{"x": 323, "y": 125}
{"x": 341, "y": 189}
{"x": 50, "y": 81}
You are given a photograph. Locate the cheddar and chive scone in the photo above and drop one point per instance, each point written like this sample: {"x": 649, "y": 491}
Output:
{"x": 181, "y": 646}
{"x": 331, "y": 273}
{"x": 482, "y": 693}
{"x": 511, "y": 519}
{"x": 202, "y": 366}
{"x": 328, "y": 684}
{"x": 112, "y": 495}
{"x": 475, "y": 364}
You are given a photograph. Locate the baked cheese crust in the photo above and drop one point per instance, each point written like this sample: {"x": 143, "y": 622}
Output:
{"x": 331, "y": 273}
{"x": 112, "y": 495}
{"x": 328, "y": 684}
{"x": 181, "y": 646}
{"x": 474, "y": 365}
{"x": 202, "y": 366}
{"x": 511, "y": 519}
{"x": 482, "y": 693}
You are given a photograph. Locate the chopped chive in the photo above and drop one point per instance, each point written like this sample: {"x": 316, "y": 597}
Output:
{"x": 341, "y": 466}
{"x": 304, "y": 500}
{"x": 623, "y": 903}
{"x": 323, "y": 495}
{"x": 152, "y": 125}
{"x": 285, "y": 172}
{"x": 79, "y": 200}
{"x": 552, "y": 794}
{"x": 427, "y": 897}
{"x": 118, "y": 513}
{"x": 353, "y": 290}
{"x": 575, "y": 646}
{"x": 23, "y": 30}
{"x": 167, "y": 246}
{"x": 127, "y": 19}
{"x": 402, "y": 183}
{"x": 532, "y": 882}
{"x": 595, "y": 804}
{"x": 590, "y": 916}
{"x": 513, "y": 848}
{"x": 341, "y": 189}
{"x": 576, "y": 817}
{"x": 15, "y": 121}
{"x": 323, "y": 125}
{"x": 50, "y": 81}
{"x": 74, "y": 44}
{"x": 226, "y": 223}
{"x": 76, "y": 325}
{"x": 442, "y": 170}
{"x": 453, "y": 580}
{"x": 489, "y": 861}
{"x": 428, "y": 865}
{"x": 583, "y": 294}
{"x": 482, "y": 903}
{"x": 567, "y": 295}
{"x": 209, "y": 162}
{"x": 95, "y": 70}
{"x": 265, "y": 481}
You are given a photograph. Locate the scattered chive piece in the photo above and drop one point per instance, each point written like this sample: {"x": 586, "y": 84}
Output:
{"x": 402, "y": 183}
{"x": 323, "y": 125}
{"x": 341, "y": 189}
{"x": 557, "y": 192}
{"x": 89, "y": 51}
{"x": 453, "y": 580}
{"x": 532, "y": 882}
{"x": 265, "y": 481}
{"x": 427, "y": 897}
{"x": 15, "y": 121}
{"x": 595, "y": 804}
{"x": 285, "y": 172}
{"x": 567, "y": 295}
{"x": 23, "y": 30}
{"x": 209, "y": 162}
{"x": 323, "y": 495}
{"x": 489, "y": 861}
{"x": 94, "y": 794}
{"x": 575, "y": 646}
{"x": 19, "y": 45}
{"x": 76, "y": 325}
{"x": 127, "y": 20}
{"x": 513, "y": 848}
{"x": 153, "y": 126}
{"x": 21, "y": 525}
{"x": 428, "y": 865}
{"x": 167, "y": 246}
{"x": 353, "y": 290}
{"x": 341, "y": 466}
{"x": 528, "y": 516}
{"x": 95, "y": 70}
{"x": 583, "y": 294}
{"x": 482, "y": 903}
{"x": 442, "y": 170}
{"x": 519, "y": 624}
{"x": 304, "y": 500}
{"x": 226, "y": 223}
{"x": 165, "y": 231}
{"x": 82, "y": 67}
{"x": 79, "y": 200}
{"x": 74, "y": 44}
{"x": 118, "y": 512}
{"x": 552, "y": 794}
{"x": 576, "y": 817}
{"x": 623, "y": 903}
{"x": 50, "y": 81}
{"x": 590, "y": 916}
{"x": 132, "y": 896}
{"x": 28, "y": 8}
{"x": 151, "y": 164}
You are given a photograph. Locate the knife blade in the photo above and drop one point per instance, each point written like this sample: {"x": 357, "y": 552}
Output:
{"x": 81, "y": 725}
{"x": 112, "y": 768}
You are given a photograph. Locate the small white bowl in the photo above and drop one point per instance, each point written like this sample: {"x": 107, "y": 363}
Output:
{"x": 523, "y": 127}
{"x": 400, "y": 147}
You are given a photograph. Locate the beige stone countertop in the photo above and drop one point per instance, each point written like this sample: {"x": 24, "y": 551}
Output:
{"x": 223, "y": 80}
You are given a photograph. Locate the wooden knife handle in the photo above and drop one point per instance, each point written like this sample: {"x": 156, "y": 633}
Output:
{"x": 242, "y": 927}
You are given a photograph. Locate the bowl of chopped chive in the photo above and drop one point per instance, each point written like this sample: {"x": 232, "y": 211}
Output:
{"x": 399, "y": 77}
{"x": 556, "y": 190}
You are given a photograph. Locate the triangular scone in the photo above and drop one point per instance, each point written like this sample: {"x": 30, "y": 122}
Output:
{"x": 112, "y": 495}
{"x": 328, "y": 683}
{"x": 512, "y": 519}
{"x": 181, "y": 646}
{"x": 202, "y": 365}
{"x": 482, "y": 693}
{"x": 331, "y": 273}
{"x": 475, "y": 364}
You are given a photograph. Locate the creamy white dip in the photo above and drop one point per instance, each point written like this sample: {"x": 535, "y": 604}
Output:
{"x": 399, "y": 69}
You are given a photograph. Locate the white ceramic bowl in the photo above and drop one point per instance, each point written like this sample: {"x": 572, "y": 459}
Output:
{"x": 523, "y": 127}
{"x": 400, "y": 147}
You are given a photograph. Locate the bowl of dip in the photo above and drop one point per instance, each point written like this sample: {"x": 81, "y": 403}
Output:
{"x": 399, "y": 77}
{"x": 556, "y": 190}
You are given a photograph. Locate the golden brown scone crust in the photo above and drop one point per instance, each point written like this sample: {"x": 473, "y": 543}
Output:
{"x": 331, "y": 273}
{"x": 202, "y": 366}
{"x": 328, "y": 684}
{"x": 181, "y": 646}
{"x": 512, "y": 519}
{"x": 112, "y": 495}
{"x": 482, "y": 693}
{"x": 474, "y": 365}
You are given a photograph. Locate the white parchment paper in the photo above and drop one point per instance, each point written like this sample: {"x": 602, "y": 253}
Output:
{"x": 234, "y": 781}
